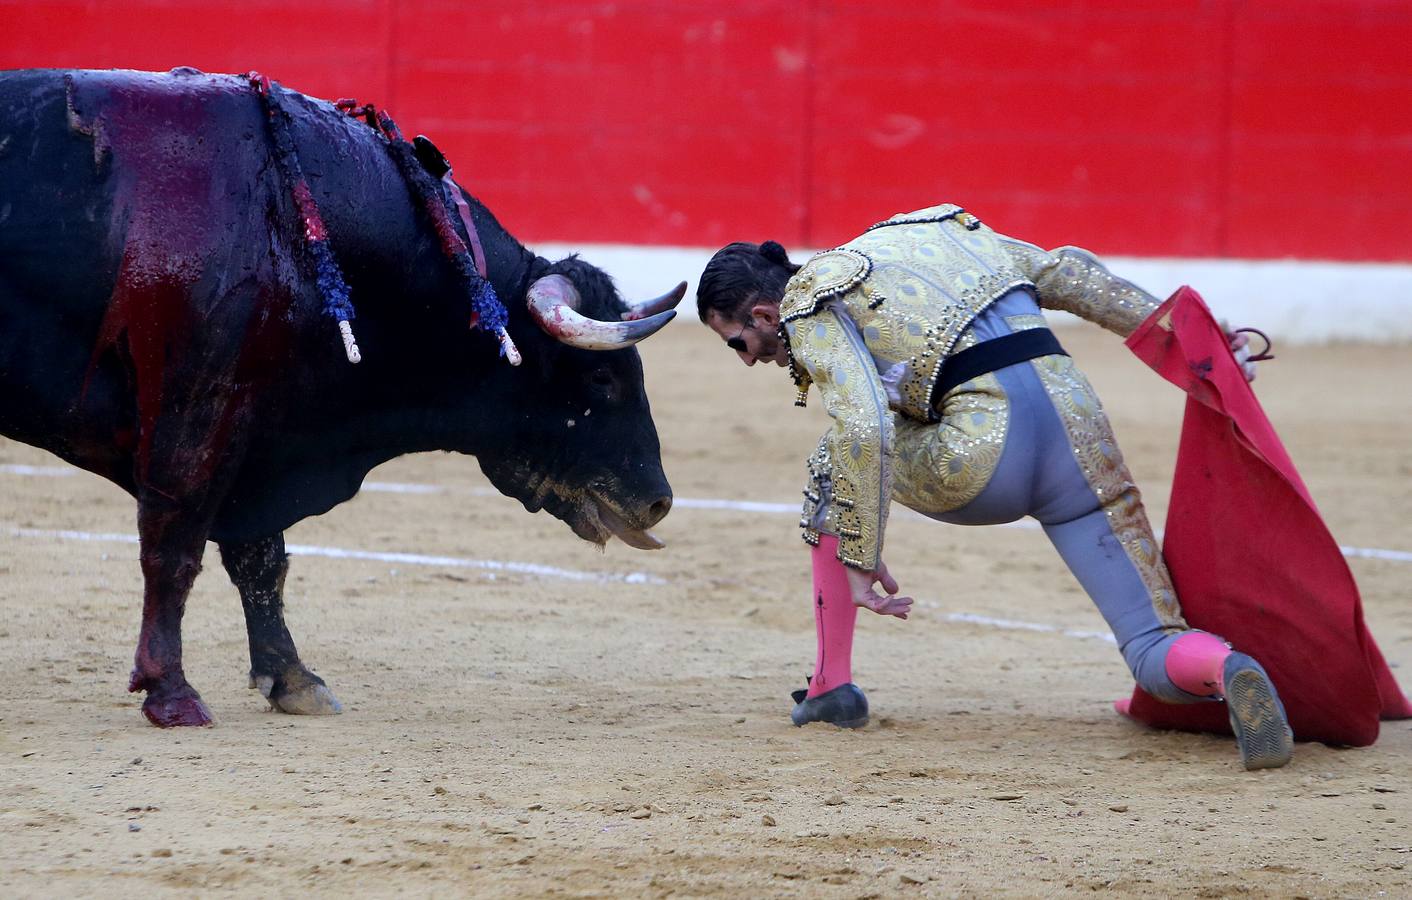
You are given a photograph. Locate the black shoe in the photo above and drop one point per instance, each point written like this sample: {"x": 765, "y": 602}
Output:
{"x": 845, "y": 706}
{"x": 1257, "y": 716}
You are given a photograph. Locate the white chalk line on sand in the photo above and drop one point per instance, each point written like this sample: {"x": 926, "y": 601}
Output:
{"x": 629, "y": 578}
{"x": 395, "y": 487}
{"x": 43, "y": 471}
{"x": 418, "y": 559}
{"x": 792, "y": 509}
{"x": 411, "y": 559}
{"x": 1013, "y": 625}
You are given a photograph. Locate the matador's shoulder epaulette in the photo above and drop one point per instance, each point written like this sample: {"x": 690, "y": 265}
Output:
{"x": 939, "y": 213}
{"x": 829, "y": 274}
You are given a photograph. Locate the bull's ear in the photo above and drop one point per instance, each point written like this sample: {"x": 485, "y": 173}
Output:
{"x": 431, "y": 158}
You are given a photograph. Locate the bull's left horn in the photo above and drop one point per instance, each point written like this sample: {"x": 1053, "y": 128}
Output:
{"x": 645, "y": 308}
{"x": 552, "y": 301}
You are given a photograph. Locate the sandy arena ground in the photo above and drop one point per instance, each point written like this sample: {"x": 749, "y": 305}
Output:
{"x": 519, "y": 734}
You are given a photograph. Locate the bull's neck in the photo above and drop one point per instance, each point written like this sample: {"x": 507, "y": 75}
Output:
{"x": 507, "y": 260}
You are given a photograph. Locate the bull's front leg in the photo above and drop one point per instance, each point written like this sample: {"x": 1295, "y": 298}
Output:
{"x": 258, "y": 569}
{"x": 171, "y": 557}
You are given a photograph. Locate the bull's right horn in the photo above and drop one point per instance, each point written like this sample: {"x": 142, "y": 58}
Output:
{"x": 553, "y": 302}
{"x": 647, "y": 308}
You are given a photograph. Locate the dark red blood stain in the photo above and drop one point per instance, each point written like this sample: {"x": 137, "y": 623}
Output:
{"x": 313, "y": 224}
{"x": 173, "y": 182}
{"x": 184, "y": 708}
{"x": 125, "y": 439}
{"x": 151, "y": 312}
{"x": 451, "y": 242}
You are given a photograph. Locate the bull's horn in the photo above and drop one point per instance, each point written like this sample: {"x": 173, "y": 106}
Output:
{"x": 552, "y": 301}
{"x": 651, "y": 307}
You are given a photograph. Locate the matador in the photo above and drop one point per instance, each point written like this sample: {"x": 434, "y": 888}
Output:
{"x": 949, "y": 394}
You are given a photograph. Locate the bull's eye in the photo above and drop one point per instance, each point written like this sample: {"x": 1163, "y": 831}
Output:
{"x": 604, "y": 386}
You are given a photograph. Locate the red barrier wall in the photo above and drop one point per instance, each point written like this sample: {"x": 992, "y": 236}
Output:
{"x": 1248, "y": 128}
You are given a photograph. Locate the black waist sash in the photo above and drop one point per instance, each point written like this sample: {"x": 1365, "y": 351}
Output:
{"x": 996, "y": 353}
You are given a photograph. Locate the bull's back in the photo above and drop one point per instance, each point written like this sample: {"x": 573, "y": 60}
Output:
{"x": 54, "y": 210}
{"x": 57, "y": 262}
{"x": 109, "y": 180}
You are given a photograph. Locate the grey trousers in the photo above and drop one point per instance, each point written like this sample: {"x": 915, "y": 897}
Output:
{"x": 1039, "y": 474}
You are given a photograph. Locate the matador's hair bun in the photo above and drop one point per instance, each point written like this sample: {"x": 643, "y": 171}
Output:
{"x": 772, "y": 251}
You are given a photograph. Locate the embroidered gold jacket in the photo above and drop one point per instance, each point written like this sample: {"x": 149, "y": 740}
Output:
{"x": 872, "y": 321}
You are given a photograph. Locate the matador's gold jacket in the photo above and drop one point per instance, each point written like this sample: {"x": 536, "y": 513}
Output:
{"x": 908, "y": 288}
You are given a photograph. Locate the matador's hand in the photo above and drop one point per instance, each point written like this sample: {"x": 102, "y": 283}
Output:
{"x": 860, "y": 585}
{"x": 1240, "y": 348}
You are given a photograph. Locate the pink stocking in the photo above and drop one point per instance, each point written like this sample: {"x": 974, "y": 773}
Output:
{"x": 834, "y": 617}
{"x": 1194, "y": 663}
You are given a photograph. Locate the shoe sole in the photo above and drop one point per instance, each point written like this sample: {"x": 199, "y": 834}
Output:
{"x": 846, "y": 723}
{"x": 1261, "y": 732}
{"x": 852, "y": 723}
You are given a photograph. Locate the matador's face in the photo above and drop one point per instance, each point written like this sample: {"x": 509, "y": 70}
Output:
{"x": 754, "y": 339}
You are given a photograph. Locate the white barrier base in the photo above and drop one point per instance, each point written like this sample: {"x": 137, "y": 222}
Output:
{"x": 1292, "y": 300}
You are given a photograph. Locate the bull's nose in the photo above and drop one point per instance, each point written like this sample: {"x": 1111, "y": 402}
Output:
{"x": 658, "y": 511}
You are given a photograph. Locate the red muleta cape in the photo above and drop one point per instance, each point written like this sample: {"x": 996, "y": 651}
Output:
{"x": 1250, "y": 557}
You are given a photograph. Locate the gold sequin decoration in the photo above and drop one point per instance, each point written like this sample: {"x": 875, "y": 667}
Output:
{"x": 1071, "y": 279}
{"x": 818, "y": 491}
{"x": 1026, "y": 321}
{"x": 941, "y": 467}
{"x": 944, "y": 465}
{"x": 859, "y": 448}
{"x": 1096, "y": 451}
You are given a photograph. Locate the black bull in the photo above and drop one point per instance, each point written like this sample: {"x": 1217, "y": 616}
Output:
{"x": 160, "y": 325}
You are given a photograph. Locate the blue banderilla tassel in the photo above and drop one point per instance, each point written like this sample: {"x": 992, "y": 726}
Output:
{"x": 328, "y": 276}
{"x": 487, "y": 312}
{"x": 332, "y": 287}
{"x": 334, "y": 290}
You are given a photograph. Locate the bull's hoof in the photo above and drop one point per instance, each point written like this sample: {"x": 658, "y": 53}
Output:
{"x": 314, "y": 700}
{"x": 299, "y": 693}
{"x": 178, "y": 707}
